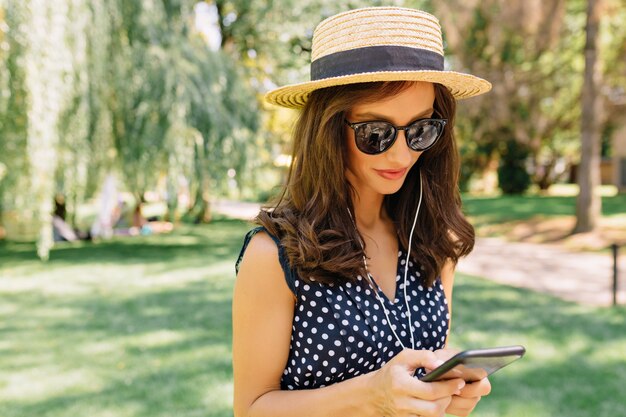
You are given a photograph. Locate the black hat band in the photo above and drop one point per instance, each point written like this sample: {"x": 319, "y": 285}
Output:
{"x": 375, "y": 59}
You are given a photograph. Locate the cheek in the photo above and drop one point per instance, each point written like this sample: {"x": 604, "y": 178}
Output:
{"x": 415, "y": 156}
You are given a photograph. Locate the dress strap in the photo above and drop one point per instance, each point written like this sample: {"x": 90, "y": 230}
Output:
{"x": 290, "y": 275}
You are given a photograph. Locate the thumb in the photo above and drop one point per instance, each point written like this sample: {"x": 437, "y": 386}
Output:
{"x": 413, "y": 359}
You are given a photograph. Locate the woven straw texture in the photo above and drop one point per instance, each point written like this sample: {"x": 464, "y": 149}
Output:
{"x": 378, "y": 26}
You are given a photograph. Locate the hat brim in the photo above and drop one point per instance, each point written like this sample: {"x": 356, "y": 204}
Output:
{"x": 460, "y": 85}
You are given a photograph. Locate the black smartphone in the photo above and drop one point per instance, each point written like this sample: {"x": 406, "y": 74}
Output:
{"x": 476, "y": 364}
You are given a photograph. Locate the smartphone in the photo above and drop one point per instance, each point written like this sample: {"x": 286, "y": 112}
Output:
{"x": 476, "y": 364}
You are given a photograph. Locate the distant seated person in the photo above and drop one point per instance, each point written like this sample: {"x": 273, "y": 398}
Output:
{"x": 149, "y": 226}
{"x": 61, "y": 230}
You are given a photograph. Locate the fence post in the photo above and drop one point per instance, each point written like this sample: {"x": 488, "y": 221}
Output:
{"x": 615, "y": 248}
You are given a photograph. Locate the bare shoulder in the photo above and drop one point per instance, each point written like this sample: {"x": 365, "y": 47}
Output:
{"x": 260, "y": 268}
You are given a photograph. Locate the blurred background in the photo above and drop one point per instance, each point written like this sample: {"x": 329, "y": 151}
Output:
{"x": 135, "y": 147}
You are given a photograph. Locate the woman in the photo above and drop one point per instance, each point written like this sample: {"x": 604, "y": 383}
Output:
{"x": 331, "y": 316}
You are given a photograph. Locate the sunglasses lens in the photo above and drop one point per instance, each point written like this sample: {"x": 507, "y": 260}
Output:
{"x": 374, "y": 137}
{"x": 423, "y": 134}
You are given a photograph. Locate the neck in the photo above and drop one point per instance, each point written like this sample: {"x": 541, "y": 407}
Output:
{"x": 369, "y": 210}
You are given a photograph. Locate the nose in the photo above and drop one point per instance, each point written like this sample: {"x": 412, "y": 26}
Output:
{"x": 400, "y": 154}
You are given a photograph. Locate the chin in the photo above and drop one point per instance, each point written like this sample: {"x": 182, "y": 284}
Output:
{"x": 388, "y": 189}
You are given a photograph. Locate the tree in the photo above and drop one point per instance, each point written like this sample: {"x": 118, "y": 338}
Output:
{"x": 588, "y": 203}
{"x": 112, "y": 85}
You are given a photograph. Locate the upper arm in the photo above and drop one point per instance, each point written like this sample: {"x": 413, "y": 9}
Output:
{"x": 447, "y": 280}
{"x": 263, "y": 309}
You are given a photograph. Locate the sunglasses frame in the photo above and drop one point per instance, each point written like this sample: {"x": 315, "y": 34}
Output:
{"x": 397, "y": 129}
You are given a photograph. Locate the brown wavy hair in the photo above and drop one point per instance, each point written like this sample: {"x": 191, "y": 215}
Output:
{"x": 311, "y": 217}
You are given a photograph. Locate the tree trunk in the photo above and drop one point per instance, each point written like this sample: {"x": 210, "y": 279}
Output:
{"x": 589, "y": 204}
{"x": 201, "y": 208}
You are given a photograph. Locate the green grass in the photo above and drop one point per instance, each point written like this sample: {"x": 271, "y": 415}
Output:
{"x": 575, "y": 364}
{"x": 141, "y": 327}
{"x": 132, "y": 327}
{"x": 501, "y": 209}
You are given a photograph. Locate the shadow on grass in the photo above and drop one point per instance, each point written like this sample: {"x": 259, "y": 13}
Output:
{"x": 576, "y": 359}
{"x": 487, "y": 307}
{"x": 158, "y": 348}
{"x": 194, "y": 363}
{"x": 508, "y": 208}
{"x": 153, "y": 348}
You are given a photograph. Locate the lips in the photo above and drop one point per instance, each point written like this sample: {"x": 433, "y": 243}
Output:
{"x": 391, "y": 174}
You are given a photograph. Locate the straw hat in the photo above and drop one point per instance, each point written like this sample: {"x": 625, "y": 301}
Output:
{"x": 378, "y": 44}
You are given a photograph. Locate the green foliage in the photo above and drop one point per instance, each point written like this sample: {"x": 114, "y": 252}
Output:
{"x": 513, "y": 177}
{"x": 141, "y": 95}
{"x": 532, "y": 54}
{"x": 13, "y": 97}
{"x": 145, "y": 97}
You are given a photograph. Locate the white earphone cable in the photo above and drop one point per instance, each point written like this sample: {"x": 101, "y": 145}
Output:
{"x": 406, "y": 271}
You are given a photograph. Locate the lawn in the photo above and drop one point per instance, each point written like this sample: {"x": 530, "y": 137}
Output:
{"x": 141, "y": 327}
{"x": 548, "y": 218}
{"x": 500, "y": 209}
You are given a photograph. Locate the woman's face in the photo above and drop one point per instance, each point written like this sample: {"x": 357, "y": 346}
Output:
{"x": 385, "y": 173}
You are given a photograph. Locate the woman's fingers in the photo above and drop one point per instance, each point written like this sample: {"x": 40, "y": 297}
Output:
{"x": 464, "y": 403}
{"x": 437, "y": 389}
{"x": 396, "y": 392}
{"x": 423, "y": 408}
{"x": 413, "y": 359}
{"x": 476, "y": 389}
{"x": 462, "y": 407}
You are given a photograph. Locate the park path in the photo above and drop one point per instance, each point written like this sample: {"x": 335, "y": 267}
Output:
{"x": 582, "y": 277}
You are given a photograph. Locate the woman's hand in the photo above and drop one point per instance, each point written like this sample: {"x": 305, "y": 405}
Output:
{"x": 396, "y": 392}
{"x": 462, "y": 404}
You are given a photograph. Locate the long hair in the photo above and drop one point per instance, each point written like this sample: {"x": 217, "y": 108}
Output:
{"x": 311, "y": 215}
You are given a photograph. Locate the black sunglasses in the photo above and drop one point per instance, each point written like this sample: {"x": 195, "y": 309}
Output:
{"x": 377, "y": 136}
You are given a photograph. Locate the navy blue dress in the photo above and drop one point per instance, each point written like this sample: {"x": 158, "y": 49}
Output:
{"x": 340, "y": 331}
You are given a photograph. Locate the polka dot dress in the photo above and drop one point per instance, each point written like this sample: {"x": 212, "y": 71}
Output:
{"x": 340, "y": 331}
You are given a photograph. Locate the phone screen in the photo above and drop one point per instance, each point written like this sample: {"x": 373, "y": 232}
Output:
{"x": 474, "y": 365}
